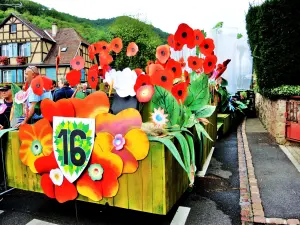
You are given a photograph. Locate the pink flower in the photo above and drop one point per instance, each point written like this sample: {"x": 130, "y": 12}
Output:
{"x": 119, "y": 141}
{"x": 21, "y": 97}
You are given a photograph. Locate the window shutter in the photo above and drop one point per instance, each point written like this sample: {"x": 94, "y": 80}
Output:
{"x": 0, "y": 76}
{"x": 20, "y": 76}
{"x": 15, "y": 50}
{"x": 51, "y": 73}
{"x": 10, "y": 50}
{"x": 82, "y": 75}
{"x": 13, "y": 76}
{"x": 28, "y": 49}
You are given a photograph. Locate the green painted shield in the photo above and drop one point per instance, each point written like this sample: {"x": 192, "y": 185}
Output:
{"x": 73, "y": 141}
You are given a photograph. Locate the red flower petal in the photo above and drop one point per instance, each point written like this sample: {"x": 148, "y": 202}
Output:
{"x": 207, "y": 47}
{"x": 178, "y": 46}
{"x": 93, "y": 77}
{"x": 171, "y": 41}
{"x": 47, "y": 83}
{"x": 116, "y": 45}
{"x": 132, "y": 49}
{"x": 105, "y": 59}
{"x": 187, "y": 77}
{"x": 185, "y": 35}
{"x": 153, "y": 68}
{"x": 92, "y": 51}
{"x": 102, "y": 47}
{"x": 199, "y": 37}
{"x": 66, "y": 192}
{"x": 77, "y": 63}
{"x": 141, "y": 81}
{"x": 73, "y": 77}
{"x": 195, "y": 63}
{"x": 130, "y": 163}
{"x": 175, "y": 67}
{"x": 138, "y": 71}
{"x": 163, "y": 53}
{"x": 46, "y": 163}
{"x": 209, "y": 63}
{"x": 37, "y": 85}
{"x": 47, "y": 185}
{"x": 145, "y": 93}
{"x": 163, "y": 78}
{"x": 180, "y": 92}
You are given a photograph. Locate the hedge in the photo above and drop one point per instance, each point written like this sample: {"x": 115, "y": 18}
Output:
{"x": 282, "y": 92}
{"x": 273, "y": 30}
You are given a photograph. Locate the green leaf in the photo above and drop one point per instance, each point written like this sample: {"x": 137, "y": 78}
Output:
{"x": 164, "y": 99}
{"x": 172, "y": 148}
{"x": 224, "y": 82}
{"x": 190, "y": 141}
{"x": 185, "y": 150}
{"x": 85, "y": 128}
{"x": 218, "y": 25}
{"x": 205, "y": 111}
{"x": 18, "y": 108}
{"x": 239, "y": 36}
{"x": 200, "y": 129}
{"x": 198, "y": 93}
{"x": 191, "y": 122}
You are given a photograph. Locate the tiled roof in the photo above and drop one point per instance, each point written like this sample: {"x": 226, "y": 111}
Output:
{"x": 65, "y": 38}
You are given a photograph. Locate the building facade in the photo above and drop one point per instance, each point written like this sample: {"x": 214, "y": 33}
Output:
{"x": 23, "y": 44}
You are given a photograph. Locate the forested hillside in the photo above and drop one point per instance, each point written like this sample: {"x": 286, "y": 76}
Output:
{"x": 129, "y": 29}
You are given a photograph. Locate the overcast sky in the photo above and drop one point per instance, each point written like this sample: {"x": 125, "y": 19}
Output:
{"x": 164, "y": 14}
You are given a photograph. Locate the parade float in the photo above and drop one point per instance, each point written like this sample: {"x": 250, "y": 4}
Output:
{"x": 137, "y": 145}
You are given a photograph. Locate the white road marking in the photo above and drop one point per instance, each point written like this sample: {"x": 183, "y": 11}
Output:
{"x": 181, "y": 215}
{"x": 206, "y": 164}
{"x": 1, "y": 211}
{"x": 39, "y": 222}
{"x": 290, "y": 156}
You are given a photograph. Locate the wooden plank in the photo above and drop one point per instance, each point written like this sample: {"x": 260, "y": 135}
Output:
{"x": 135, "y": 189}
{"x": 158, "y": 178}
{"x": 146, "y": 166}
{"x": 15, "y": 146}
{"x": 9, "y": 166}
{"x": 121, "y": 199}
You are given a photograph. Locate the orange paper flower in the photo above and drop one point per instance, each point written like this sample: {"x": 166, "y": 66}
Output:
{"x": 37, "y": 85}
{"x": 209, "y": 63}
{"x": 163, "y": 53}
{"x": 36, "y": 141}
{"x": 153, "y": 68}
{"x": 92, "y": 51}
{"x": 207, "y": 46}
{"x": 121, "y": 134}
{"x": 195, "y": 63}
{"x": 141, "y": 81}
{"x": 102, "y": 47}
{"x": 199, "y": 37}
{"x": 132, "y": 49}
{"x": 116, "y": 45}
{"x": 100, "y": 178}
{"x": 171, "y": 41}
{"x": 163, "y": 78}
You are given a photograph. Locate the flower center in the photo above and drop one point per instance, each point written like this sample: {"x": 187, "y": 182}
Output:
{"x": 116, "y": 45}
{"x": 184, "y": 34}
{"x": 163, "y": 78}
{"x": 174, "y": 69}
{"x": 209, "y": 63}
{"x": 96, "y": 172}
{"x": 197, "y": 37}
{"x": 163, "y": 53}
{"x": 206, "y": 46}
{"x": 132, "y": 49}
{"x": 158, "y": 118}
{"x": 36, "y": 147}
{"x": 119, "y": 142}
{"x": 56, "y": 176}
{"x": 194, "y": 63}
{"x": 180, "y": 93}
{"x": 77, "y": 63}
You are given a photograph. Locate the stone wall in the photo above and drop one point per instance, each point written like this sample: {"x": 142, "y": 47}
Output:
{"x": 272, "y": 115}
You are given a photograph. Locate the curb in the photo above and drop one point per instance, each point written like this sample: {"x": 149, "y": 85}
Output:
{"x": 251, "y": 204}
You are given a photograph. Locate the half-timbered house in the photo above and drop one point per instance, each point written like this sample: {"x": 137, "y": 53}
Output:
{"x": 22, "y": 44}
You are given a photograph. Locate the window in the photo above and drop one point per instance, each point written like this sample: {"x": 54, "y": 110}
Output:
{"x": 20, "y": 76}
{"x": 24, "y": 49}
{"x": 51, "y": 73}
{"x": 10, "y": 50}
{"x": 4, "y": 50}
{"x": 80, "y": 52}
{"x": 7, "y": 76}
{"x": 13, "y": 28}
{"x": 64, "y": 49}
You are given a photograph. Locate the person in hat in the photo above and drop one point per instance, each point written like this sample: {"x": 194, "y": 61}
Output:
{"x": 33, "y": 100}
{"x": 7, "y": 104}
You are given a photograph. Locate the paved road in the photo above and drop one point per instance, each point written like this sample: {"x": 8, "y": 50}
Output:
{"x": 213, "y": 201}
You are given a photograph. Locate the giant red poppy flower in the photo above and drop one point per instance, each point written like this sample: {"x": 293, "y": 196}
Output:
{"x": 47, "y": 83}
{"x": 100, "y": 179}
{"x": 195, "y": 63}
{"x": 63, "y": 107}
{"x": 102, "y": 47}
{"x": 73, "y": 77}
{"x": 199, "y": 37}
{"x": 105, "y": 59}
{"x": 53, "y": 183}
{"x": 92, "y": 51}
{"x": 141, "y": 81}
{"x": 187, "y": 77}
{"x": 209, "y": 63}
{"x": 132, "y": 49}
{"x": 163, "y": 53}
{"x": 207, "y": 46}
{"x": 153, "y": 68}
{"x": 121, "y": 134}
{"x": 175, "y": 67}
{"x": 163, "y": 78}
{"x": 77, "y": 63}
{"x": 37, "y": 85}
{"x": 93, "y": 78}
{"x": 179, "y": 91}
{"x": 185, "y": 35}
{"x": 145, "y": 93}
{"x": 116, "y": 45}
{"x": 178, "y": 46}
{"x": 171, "y": 40}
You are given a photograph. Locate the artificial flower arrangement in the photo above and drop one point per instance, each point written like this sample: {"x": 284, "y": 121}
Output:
{"x": 21, "y": 60}
{"x": 79, "y": 147}
{"x": 3, "y": 60}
